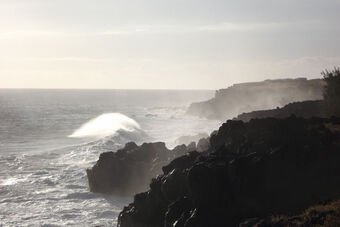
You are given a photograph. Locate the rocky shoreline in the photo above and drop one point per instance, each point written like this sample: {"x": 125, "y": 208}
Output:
{"x": 252, "y": 170}
{"x": 129, "y": 170}
{"x": 264, "y": 168}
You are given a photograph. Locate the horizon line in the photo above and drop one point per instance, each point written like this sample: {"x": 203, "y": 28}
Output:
{"x": 141, "y": 89}
{"x": 165, "y": 89}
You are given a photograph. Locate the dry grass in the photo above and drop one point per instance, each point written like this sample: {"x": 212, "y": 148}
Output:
{"x": 333, "y": 127}
{"x": 325, "y": 215}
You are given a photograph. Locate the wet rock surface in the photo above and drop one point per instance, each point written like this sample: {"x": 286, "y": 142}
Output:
{"x": 251, "y": 170}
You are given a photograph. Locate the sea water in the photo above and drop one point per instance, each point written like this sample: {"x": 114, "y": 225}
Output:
{"x": 49, "y": 137}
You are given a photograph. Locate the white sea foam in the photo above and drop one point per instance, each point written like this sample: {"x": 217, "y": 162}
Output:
{"x": 12, "y": 181}
{"x": 105, "y": 125}
{"x": 43, "y": 180}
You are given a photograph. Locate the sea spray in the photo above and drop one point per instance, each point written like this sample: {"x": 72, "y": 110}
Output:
{"x": 105, "y": 125}
{"x": 42, "y": 170}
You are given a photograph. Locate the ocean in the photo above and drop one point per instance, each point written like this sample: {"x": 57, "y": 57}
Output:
{"x": 49, "y": 137}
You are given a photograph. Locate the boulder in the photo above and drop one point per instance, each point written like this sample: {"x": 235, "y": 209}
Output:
{"x": 191, "y": 146}
{"x": 193, "y": 138}
{"x": 129, "y": 170}
{"x": 203, "y": 145}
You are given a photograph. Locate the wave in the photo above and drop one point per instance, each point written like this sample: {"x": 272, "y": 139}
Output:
{"x": 119, "y": 139}
{"x": 106, "y": 125}
{"x": 108, "y": 132}
{"x": 13, "y": 180}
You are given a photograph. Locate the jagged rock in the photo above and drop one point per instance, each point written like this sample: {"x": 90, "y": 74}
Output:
{"x": 255, "y": 169}
{"x": 191, "y": 146}
{"x": 193, "y": 138}
{"x": 130, "y": 169}
{"x": 203, "y": 145}
{"x": 177, "y": 212}
{"x": 181, "y": 163}
{"x": 180, "y": 150}
{"x": 174, "y": 185}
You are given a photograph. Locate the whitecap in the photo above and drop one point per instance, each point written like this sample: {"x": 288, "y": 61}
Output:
{"x": 105, "y": 125}
{"x": 9, "y": 181}
{"x": 12, "y": 181}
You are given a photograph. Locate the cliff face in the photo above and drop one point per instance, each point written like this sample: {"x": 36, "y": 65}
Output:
{"x": 306, "y": 109}
{"x": 247, "y": 97}
{"x": 255, "y": 169}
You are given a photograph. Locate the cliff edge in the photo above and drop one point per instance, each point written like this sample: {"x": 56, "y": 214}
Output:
{"x": 247, "y": 97}
{"x": 252, "y": 170}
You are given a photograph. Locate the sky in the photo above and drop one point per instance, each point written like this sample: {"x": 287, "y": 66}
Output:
{"x": 164, "y": 44}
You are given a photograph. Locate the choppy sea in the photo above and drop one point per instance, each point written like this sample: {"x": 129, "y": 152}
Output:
{"x": 49, "y": 137}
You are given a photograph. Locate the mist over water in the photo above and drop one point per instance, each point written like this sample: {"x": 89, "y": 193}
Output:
{"x": 49, "y": 137}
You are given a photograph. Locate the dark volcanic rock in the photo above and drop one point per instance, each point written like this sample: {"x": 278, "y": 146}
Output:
{"x": 253, "y": 170}
{"x": 203, "y": 144}
{"x": 191, "y": 146}
{"x": 188, "y": 139}
{"x": 130, "y": 169}
{"x": 306, "y": 109}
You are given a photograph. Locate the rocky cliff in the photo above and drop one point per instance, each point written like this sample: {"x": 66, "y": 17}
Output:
{"x": 247, "y": 97}
{"x": 305, "y": 109}
{"x": 255, "y": 169}
{"x": 130, "y": 169}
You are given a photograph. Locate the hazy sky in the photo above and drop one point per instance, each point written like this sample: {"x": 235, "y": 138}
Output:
{"x": 173, "y": 44}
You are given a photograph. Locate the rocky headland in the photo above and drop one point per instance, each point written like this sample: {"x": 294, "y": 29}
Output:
{"x": 272, "y": 167}
{"x": 247, "y": 97}
{"x": 305, "y": 109}
{"x": 129, "y": 170}
{"x": 251, "y": 170}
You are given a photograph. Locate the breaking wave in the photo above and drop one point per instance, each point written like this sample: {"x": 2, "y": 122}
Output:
{"x": 106, "y": 125}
